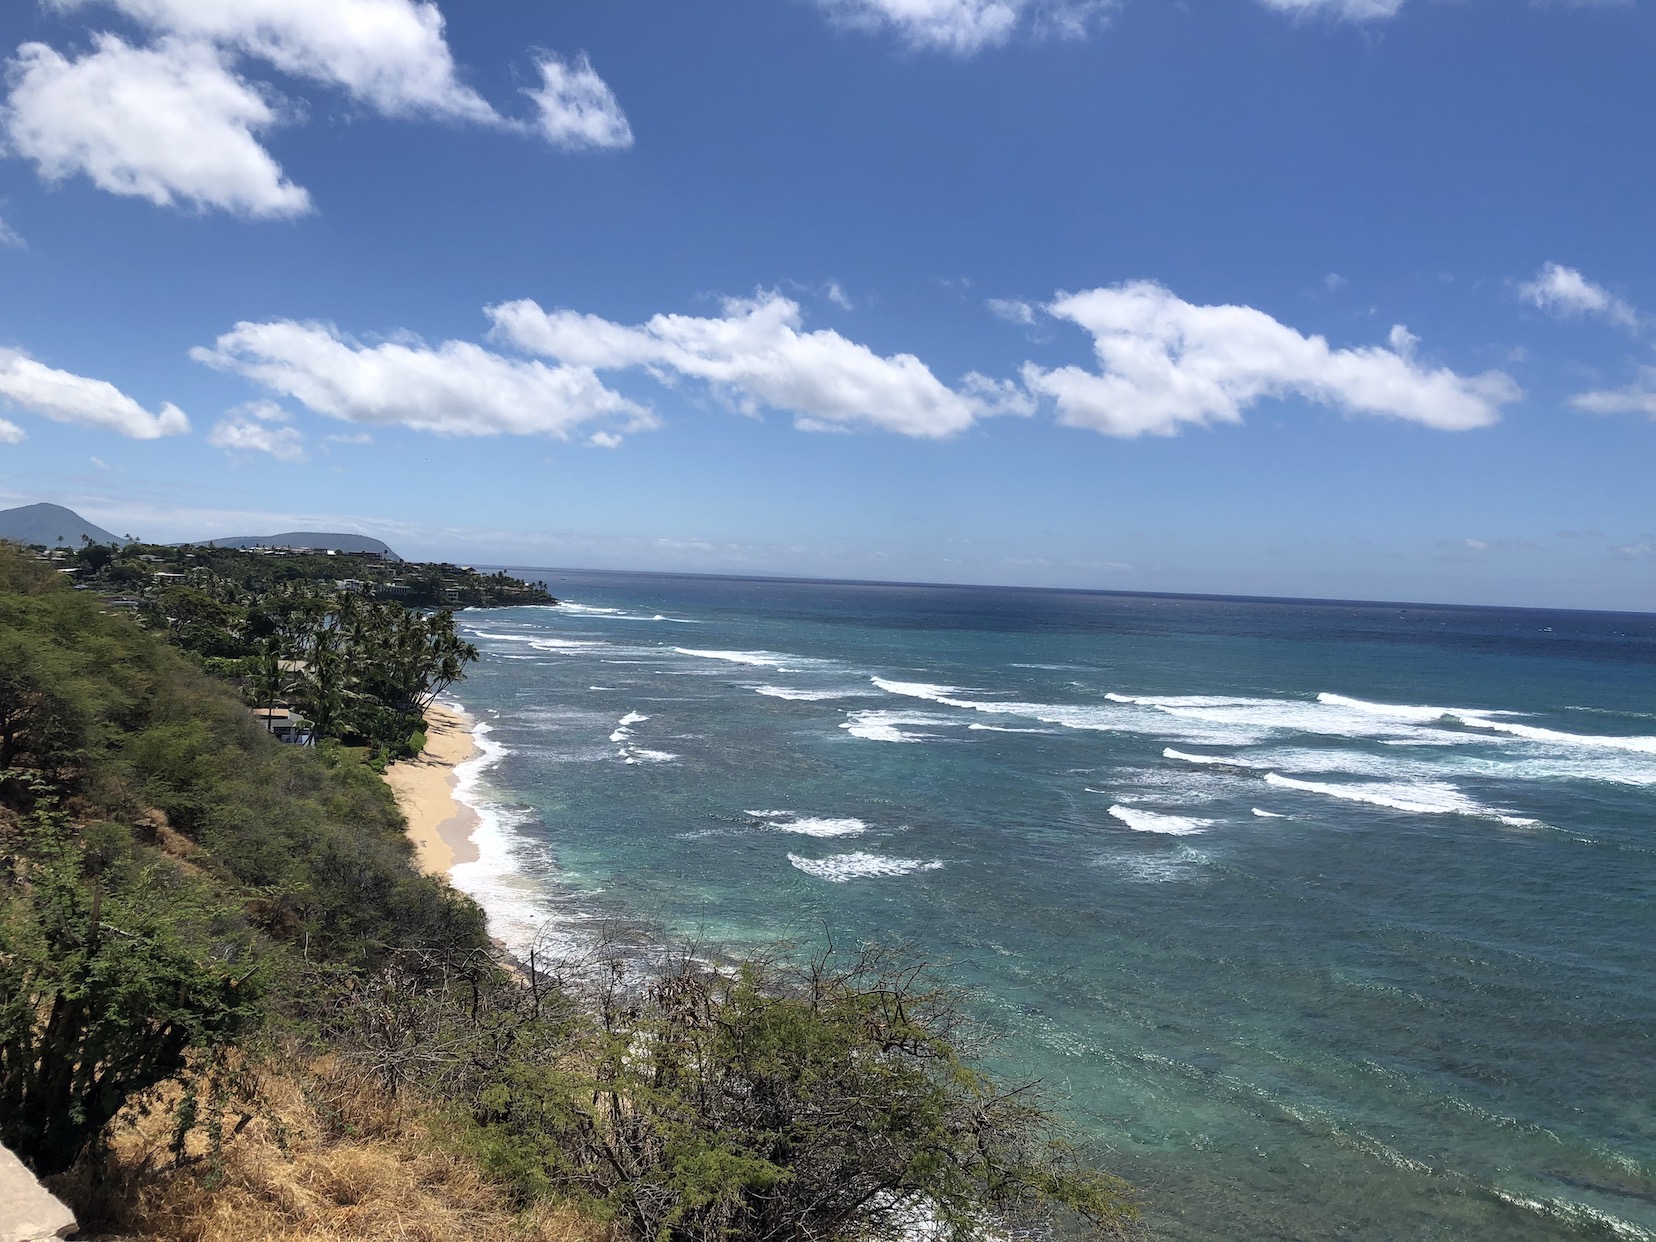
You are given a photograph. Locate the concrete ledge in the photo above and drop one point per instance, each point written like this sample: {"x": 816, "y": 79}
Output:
{"x": 27, "y": 1212}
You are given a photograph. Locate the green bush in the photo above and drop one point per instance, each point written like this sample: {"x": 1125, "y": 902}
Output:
{"x": 829, "y": 1101}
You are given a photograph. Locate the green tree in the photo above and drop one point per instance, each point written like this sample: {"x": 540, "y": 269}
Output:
{"x": 113, "y": 970}
{"x": 769, "y": 1103}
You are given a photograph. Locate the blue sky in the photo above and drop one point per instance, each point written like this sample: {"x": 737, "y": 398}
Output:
{"x": 1350, "y": 298}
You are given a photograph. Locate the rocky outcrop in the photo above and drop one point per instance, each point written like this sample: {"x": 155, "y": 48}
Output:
{"x": 27, "y": 1212}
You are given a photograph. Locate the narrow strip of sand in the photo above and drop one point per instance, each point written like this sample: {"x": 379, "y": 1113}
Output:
{"x": 439, "y": 824}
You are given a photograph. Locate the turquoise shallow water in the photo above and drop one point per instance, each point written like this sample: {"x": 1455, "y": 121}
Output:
{"x": 1328, "y": 920}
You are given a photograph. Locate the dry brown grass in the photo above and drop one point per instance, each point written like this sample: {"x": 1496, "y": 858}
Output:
{"x": 327, "y": 1157}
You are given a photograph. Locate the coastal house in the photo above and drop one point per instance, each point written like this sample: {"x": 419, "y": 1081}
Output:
{"x": 285, "y": 725}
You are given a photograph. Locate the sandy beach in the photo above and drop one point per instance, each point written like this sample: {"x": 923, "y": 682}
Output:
{"x": 439, "y": 824}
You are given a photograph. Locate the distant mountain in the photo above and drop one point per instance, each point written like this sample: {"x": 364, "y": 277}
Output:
{"x": 305, "y": 539}
{"x": 46, "y": 524}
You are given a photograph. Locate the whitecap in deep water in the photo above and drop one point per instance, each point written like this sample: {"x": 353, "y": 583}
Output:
{"x": 812, "y": 826}
{"x": 840, "y": 868}
{"x": 1436, "y": 798}
{"x": 1140, "y": 820}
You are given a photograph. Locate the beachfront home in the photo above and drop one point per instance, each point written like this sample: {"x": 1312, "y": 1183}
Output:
{"x": 285, "y": 725}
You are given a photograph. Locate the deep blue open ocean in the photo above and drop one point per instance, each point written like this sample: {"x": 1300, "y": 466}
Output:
{"x": 1326, "y": 920}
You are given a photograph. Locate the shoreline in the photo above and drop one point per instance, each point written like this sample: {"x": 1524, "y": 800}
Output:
{"x": 439, "y": 824}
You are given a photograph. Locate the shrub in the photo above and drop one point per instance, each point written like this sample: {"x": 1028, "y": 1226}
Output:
{"x": 789, "y": 1103}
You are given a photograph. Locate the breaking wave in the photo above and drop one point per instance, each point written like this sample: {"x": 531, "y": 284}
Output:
{"x": 839, "y": 868}
{"x": 1168, "y": 825}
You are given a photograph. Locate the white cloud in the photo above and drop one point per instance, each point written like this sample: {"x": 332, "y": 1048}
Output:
{"x": 10, "y": 237}
{"x": 1013, "y": 310}
{"x": 169, "y": 123}
{"x": 389, "y": 54}
{"x": 11, "y": 433}
{"x": 1565, "y": 291}
{"x": 67, "y": 398}
{"x": 249, "y": 431}
{"x": 967, "y": 26}
{"x": 1167, "y": 363}
{"x": 838, "y": 296}
{"x": 755, "y": 355}
{"x": 576, "y": 108}
{"x": 453, "y": 389}
{"x": 1639, "y": 397}
{"x": 1338, "y": 10}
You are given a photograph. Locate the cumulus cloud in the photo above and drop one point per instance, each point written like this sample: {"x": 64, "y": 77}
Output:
{"x": 1167, "y": 363}
{"x": 1338, "y": 10}
{"x": 388, "y": 54}
{"x": 169, "y": 123}
{"x": 964, "y": 27}
{"x": 756, "y": 355}
{"x": 1566, "y": 292}
{"x": 247, "y": 429}
{"x": 64, "y": 397}
{"x": 1639, "y": 397}
{"x": 452, "y": 389}
{"x": 176, "y": 122}
{"x": 11, "y": 433}
{"x": 576, "y": 109}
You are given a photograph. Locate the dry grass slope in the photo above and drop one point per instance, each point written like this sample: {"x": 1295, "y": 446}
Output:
{"x": 327, "y": 1158}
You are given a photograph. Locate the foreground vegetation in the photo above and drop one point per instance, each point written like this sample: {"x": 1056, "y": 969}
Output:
{"x": 229, "y": 1005}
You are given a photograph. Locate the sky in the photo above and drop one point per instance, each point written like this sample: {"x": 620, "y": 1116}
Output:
{"x": 1329, "y": 298}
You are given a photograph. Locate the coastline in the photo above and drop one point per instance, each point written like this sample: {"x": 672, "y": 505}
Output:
{"x": 440, "y": 825}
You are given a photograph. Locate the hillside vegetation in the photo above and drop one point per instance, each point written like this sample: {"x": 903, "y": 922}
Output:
{"x": 230, "y": 1008}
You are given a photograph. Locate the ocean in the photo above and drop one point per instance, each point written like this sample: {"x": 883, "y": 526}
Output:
{"x": 1321, "y": 919}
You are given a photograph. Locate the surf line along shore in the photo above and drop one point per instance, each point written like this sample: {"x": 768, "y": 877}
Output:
{"x": 439, "y": 824}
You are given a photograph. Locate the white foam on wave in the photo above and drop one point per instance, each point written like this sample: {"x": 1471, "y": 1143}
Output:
{"x": 919, "y": 690}
{"x": 840, "y": 868}
{"x": 1203, "y": 719}
{"x": 1395, "y": 711}
{"x": 514, "y": 905}
{"x": 1218, "y": 760}
{"x": 1531, "y": 733}
{"x": 1425, "y": 798}
{"x": 1006, "y": 729}
{"x": 1177, "y": 700}
{"x": 768, "y": 814}
{"x": 811, "y": 826}
{"x": 760, "y": 659}
{"x": 1496, "y": 722}
{"x": 877, "y": 726}
{"x": 623, "y": 730}
{"x": 803, "y": 696}
{"x": 1240, "y": 721}
{"x": 1268, "y": 814}
{"x": 1169, "y": 825}
{"x": 636, "y": 754}
{"x": 587, "y": 610}
{"x": 540, "y": 642}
